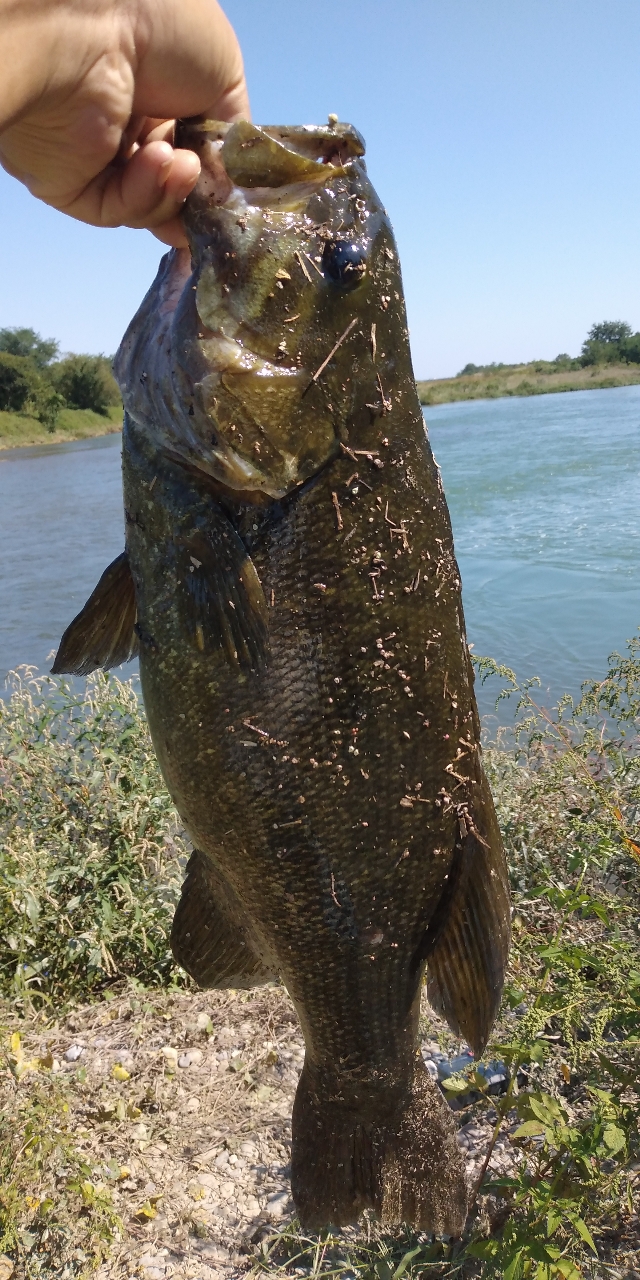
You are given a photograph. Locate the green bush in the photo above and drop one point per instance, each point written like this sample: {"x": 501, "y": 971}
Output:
{"x": 91, "y": 854}
{"x": 19, "y": 380}
{"x": 86, "y": 382}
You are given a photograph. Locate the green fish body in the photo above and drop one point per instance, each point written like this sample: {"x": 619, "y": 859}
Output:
{"x": 291, "y": 586}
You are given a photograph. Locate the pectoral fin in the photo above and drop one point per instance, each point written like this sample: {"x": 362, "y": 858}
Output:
{"x": 103, "y": 633}
{"x": 223, "y": 598}
{"x": 204, "y": 938}
{"x": 468, "y": 955}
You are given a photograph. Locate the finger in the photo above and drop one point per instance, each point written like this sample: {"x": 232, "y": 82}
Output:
{"x": 171, "y": 233}
{"x": 189, "y": 61}
{"x": 148, "y": 191}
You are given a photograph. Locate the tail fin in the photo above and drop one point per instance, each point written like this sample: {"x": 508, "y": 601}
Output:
{"x": 394, "y": 1152}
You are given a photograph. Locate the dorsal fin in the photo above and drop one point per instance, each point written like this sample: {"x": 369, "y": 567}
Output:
{"x": 103, "y": 633}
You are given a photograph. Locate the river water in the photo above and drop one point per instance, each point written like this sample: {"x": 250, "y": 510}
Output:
{"x": 544, "y": 496}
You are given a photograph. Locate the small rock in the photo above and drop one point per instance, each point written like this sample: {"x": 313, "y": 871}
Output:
{"x": 6, "y": 1267}
{"x": 193, "y": 1105}
{"x": 277, "y": 1204}
{"x": 192, "y": 1058}
{"x": 170, "y": 1056}
{"x": 431, "y": 1068}
{"x": 74, "y": 1052}
{"x": 214, "y": 1253}
{"x": 139, "y": 1132}
{"x": 221, "y": 1160}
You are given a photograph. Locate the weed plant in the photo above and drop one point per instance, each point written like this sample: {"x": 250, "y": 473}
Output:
{"x": 56, "y": 1210}
{"x": 91, "y": 855}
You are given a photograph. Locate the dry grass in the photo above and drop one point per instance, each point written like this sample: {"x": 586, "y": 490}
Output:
{"x": 525, "y": 380}
{"x": 17, "y": 429}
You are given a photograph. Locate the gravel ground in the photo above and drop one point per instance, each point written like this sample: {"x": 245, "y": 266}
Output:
{"x": 184, "y": 1103}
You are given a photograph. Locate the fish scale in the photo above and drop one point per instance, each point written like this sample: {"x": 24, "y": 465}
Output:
{"x": 297, "y": 595}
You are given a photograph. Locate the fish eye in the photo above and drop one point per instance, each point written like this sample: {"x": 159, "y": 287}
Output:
{"x": 344, "y": 263}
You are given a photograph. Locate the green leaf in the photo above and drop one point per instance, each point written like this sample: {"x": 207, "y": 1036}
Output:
{"x": 514, "y": 1268}
{"x": 568, "y": 1269}
{"x": 545, "y": 1108}
{"x": 553, "y": 1221}
{"x": 583, "y": 1230}
{"x": 483, "y": 1248}
{"x": 530, "y": 1128}
{"x": 383, "y": 1270}
{"x": 456, "y": 1085}
{"x": 614, "y": 1138}
{"x": 404, "y": 1262}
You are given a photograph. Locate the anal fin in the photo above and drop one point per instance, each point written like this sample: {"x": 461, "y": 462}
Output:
{"x": 103, "y": 633}
{"x": 468, "y": 957}
{"x": 204, "y": 938}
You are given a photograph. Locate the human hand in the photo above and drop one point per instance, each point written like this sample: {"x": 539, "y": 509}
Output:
{"x": 89, "y": 96}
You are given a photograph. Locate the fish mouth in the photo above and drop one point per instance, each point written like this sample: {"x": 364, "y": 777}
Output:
{"x": 270, "y": 155}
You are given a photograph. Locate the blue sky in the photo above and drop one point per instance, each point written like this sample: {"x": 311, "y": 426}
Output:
{"x": 502, "y": 136}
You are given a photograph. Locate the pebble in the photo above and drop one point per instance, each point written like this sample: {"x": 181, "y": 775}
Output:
{"x": 276, "y": 1204}
{"x": 74, "y": 1052}
{"x": 192, "y": 1058}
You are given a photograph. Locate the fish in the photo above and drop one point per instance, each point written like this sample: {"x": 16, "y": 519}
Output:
{"x": 291, "y": 589}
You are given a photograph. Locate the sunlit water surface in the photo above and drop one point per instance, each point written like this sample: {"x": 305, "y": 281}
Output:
{"x": 544, "y": 496}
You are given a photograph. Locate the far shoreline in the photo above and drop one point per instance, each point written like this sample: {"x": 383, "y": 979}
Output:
{"x": 17, "y": 431}
{"x": 20, "y": 432}
{"x": 534, "y": 379}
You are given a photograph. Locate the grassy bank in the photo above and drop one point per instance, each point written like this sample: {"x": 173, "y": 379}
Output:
{"x": 113, "y": 1161}
{"x": 18, "y": 429}
{"x": 534, "y": 379}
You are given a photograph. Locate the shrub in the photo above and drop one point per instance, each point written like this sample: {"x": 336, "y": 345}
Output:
{"x": 90, "y": 849}
{"x": 19, "y": 380}
{"x": 86, "y": 382}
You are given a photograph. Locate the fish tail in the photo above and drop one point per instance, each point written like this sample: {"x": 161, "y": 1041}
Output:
{"x": 390, "y": 1149}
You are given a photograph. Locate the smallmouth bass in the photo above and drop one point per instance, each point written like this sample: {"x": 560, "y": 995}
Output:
{"x": 290, "y": 584}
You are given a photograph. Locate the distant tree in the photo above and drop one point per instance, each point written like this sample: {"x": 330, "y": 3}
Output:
{"x": 26, "y": 342}
{"x": 86, "y": 382}
{"x": 24, "y": 389}
{"x": 19, "y": 379}
{"x": 609, "y": 331}
{"x": 630, "y": 349}
{"x": 604, "y": 342}
{"x": 469, "y": 368}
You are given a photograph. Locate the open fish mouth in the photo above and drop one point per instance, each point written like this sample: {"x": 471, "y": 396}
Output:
{"x": 283, "y": 228}
{"x": 271, "y": 155}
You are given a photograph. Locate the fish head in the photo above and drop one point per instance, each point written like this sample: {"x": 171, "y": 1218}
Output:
{"x": 257, "y": 346}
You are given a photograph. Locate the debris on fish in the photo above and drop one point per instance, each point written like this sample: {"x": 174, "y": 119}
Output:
{"x": 291, "y": 585}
